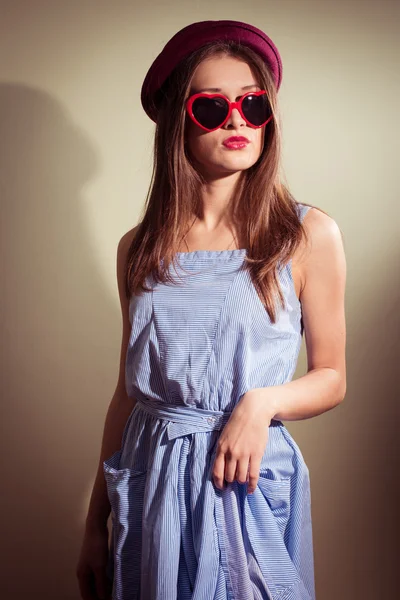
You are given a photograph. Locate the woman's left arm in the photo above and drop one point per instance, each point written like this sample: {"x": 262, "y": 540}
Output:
{"x": 323, "y": 269}
{"x": 243, "y": 439}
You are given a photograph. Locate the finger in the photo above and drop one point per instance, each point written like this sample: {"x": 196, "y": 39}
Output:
{"x": 230, "y": 468}
{"x": 254, "y": 473}
{"x": 242, "y": 469}
{"x": 218, "y": 470}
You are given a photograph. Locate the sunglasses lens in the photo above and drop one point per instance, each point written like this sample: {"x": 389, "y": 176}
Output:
{"x": 256, "y": 109}
{"x": 210, "y": 112}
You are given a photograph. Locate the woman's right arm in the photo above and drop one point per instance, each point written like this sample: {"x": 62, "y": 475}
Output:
{"x": 91, "y": 569}
{"x": 120, "y": 406}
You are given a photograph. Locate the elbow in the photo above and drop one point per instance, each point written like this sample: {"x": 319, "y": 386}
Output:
{"x": 342, "y": 390}
{"x": 338, "y": 386}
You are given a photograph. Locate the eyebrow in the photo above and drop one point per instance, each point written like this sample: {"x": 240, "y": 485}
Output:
{"x": 246, "y": 87}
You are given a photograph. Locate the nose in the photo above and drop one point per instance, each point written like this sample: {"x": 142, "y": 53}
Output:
{"x": 235, "y": 119}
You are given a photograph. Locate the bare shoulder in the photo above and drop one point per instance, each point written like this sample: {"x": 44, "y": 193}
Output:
{"x": 122, "y": 257}
{"x": 319, "y": 225}
{"x": 126, "y": 239}
{"x": 322, "y": 245}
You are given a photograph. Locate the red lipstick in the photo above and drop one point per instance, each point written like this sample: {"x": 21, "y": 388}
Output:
{"x": 236, "y": 142}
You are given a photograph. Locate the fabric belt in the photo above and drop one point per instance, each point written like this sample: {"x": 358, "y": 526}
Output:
{"x": 184, "y": 420}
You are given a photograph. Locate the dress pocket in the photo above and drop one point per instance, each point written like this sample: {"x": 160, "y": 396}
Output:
{"x": 126, "y": 492}
{"x": 268, "y": 515}
{"x": 277, "y": 494}
{"x": 124, "y": 485}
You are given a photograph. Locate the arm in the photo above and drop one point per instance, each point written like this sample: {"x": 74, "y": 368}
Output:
{"x": 120, "y": 406}
{"x": 323, "y": 272}
{"x": 323, "y": 277}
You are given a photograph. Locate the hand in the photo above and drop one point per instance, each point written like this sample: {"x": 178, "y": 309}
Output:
{"x": 91, "y": 568}
{"x": 243, "y": 440}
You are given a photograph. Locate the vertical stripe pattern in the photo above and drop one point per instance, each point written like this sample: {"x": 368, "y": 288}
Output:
{"x": 195, "y": 348}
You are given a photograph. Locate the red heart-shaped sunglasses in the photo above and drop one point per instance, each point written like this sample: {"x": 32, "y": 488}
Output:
{"x": 211, "y": 111}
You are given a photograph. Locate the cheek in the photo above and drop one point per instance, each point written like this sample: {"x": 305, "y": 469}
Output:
{"x": 201, "y": 145}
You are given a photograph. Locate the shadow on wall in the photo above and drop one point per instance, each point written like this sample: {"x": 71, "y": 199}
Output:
{"x": 55, "y": 355}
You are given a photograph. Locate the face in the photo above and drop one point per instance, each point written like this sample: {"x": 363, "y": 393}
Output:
{"x": 211, "y": 157}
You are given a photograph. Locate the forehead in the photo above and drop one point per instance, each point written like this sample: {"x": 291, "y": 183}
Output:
{"x": 225, "y": 72}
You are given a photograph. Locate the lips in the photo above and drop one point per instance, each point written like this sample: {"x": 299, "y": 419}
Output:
{"x": 235, "y": 139}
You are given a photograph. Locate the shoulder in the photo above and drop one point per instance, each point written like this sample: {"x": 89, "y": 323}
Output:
{"x": 323, "y": 246}
{"x": 122, "y": 255}
{"x": 319, "y": 224}
{"x": 126, "y": 240}
{"x": 322, "y": 232}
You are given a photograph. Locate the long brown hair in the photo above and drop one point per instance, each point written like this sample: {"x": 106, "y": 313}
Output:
{"x": 265, "y": 211}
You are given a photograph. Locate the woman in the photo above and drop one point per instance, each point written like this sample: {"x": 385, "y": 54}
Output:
{"x": 209, "y": 493}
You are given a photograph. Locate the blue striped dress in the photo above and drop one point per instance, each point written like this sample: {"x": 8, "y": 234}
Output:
{"x": 195, "y": 348}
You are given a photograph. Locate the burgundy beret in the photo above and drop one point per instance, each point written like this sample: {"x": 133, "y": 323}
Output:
{"x": 198, "y": 34}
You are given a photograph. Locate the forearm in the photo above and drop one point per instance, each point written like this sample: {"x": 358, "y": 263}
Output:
{"x": 117, "y": 415}
{"x": 316, "y": 392}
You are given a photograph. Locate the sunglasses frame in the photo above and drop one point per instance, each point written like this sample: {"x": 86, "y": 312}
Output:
{"x": 231, "y": 106}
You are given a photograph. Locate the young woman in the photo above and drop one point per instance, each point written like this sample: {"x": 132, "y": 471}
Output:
{"x": 208, "y": 492}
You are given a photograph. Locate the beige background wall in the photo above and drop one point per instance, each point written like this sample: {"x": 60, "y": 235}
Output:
{"x": 75, "y": 157}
